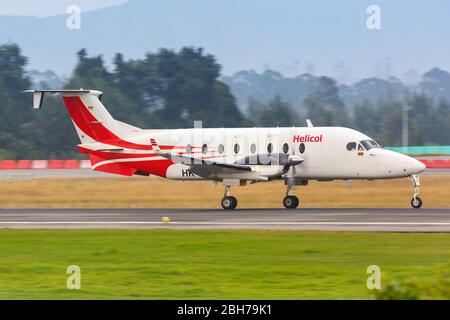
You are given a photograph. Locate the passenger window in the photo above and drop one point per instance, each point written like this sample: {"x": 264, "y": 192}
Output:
{"x": 205, "y": 148}
{"x": 188, "y": 148}
{"x": 285, "y": 148}
{"x": 301, "y": 147}
{"x": 221, "y": 148}
{"x": 269, "y": 148}
{"x": 236, "y": 148}
{"x": 351, "y": 146}
{"x": 253, "y": 148}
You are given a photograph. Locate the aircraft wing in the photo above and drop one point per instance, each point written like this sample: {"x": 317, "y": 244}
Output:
{"x": 209, "y": 167}
{"x": 209, "y": 164}
{"x": 203, "y": 167}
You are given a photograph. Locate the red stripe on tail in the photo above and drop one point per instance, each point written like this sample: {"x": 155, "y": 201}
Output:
{"x": 87, "y": 123}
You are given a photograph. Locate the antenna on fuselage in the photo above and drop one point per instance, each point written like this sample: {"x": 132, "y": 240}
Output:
{"x": 309, "y": 123}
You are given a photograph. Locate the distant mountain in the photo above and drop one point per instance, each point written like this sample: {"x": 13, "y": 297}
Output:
{"x": 436, "y": 84}
{"x": 374, "y": 90}
{"x": 264, "y": 86}
{"x": 45, "y": 80}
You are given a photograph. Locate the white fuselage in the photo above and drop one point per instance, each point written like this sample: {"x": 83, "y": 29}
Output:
{"x": 325, "y": 150}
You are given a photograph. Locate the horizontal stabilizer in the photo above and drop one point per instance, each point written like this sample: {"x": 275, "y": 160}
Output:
{"x": 87, "y": 147}
{"x": 104, "y": 165}
{"x": 38, "y": 95}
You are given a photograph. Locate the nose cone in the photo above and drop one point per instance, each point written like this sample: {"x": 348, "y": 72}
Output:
{"x": 418, "y": 166}
{"x": 400, "y": 165}
{"x": 413, "y": 166}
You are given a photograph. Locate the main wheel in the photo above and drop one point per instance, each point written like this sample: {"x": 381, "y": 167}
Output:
{"x": 235, "y": 202}
{"x": 290, "y": 202}
{"x": 229, "y": 203}
{"x": 416, "y": 202}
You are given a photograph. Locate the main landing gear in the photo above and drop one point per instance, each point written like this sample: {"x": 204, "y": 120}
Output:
{"x": 416, "y": 202}
{"x": 228, "y": 202}
{"x": 290, "y": 201}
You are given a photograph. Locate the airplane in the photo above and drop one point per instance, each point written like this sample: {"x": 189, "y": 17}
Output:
{"x": 232, "y": 156}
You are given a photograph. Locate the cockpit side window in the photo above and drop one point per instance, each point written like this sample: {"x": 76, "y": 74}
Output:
{"x": 375, "y": 144}
{"x": 351, "y": 146}
{"x": 369, "y": 144}
{"x": 360, "y": 147}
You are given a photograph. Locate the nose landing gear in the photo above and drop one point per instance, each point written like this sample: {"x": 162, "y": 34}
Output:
{"x": 290, "y": 201}
{"x": 416, "y": 202}
{"x": 228, "y": 202}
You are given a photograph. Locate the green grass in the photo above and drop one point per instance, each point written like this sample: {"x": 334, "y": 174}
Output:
{"x": 185, "y": 264}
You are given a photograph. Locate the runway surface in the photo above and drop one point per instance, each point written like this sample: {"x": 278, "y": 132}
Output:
{"x": 383, "y": 219}
{"x": 26, "y": 174}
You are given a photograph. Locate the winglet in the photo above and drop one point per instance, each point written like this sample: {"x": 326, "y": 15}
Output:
{"x": 38, "y": 97}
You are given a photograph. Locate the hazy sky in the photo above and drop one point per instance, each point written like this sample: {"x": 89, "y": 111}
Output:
{"x": 44, "y": 8}
{"x": 292, "y": 36}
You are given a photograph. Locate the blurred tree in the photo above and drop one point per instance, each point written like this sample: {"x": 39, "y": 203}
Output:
{"x": 13, "y": 117}
{"x": 420, "y": 116}
{"x": 366, "y": 118}
{"x": 324, "y": 107}
{"x": 176, "y": 88}
{"x": 441, "y": 124}
{"x": 254, "y": 111}
{"x": 390, "y": 124}
{"x": 170, "y": 89}
{"x": 278, "y": 113}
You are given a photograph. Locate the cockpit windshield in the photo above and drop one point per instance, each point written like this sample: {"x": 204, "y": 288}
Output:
{"x": 370, "y": 144}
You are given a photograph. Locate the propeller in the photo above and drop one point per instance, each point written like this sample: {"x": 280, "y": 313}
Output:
{"x": 289, "y": 167}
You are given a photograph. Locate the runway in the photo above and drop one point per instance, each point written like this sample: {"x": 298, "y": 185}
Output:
{"x": 383, "y": 219}
{"x": 29, "y": 174}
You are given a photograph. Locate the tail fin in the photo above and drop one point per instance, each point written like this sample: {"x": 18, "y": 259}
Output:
{"x": 92, "y": 121}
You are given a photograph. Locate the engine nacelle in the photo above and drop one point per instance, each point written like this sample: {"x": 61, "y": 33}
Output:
{"x": 270, "y": 171}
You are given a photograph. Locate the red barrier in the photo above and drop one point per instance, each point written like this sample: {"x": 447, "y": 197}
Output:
{"x": 436, "y": 163}
{"x": 440, "y": 163}
{"x": 23, "y": 164}
{"x": 85, "y": 164}
{"x": 71, "y": 164}
{"x": 39, "y": 164}
{"x": 55, "y": 164}
{"x": 426, "y": 162}
{"x": 44, "y": 164}
{"x": 7, "y": 164}
{"x": 75, "y": 164}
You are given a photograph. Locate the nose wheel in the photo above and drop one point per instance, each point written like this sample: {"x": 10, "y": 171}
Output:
{"x": 228, "y": 202}
{"x": 290, "y": 201}
{"x": 416, "y": 202}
